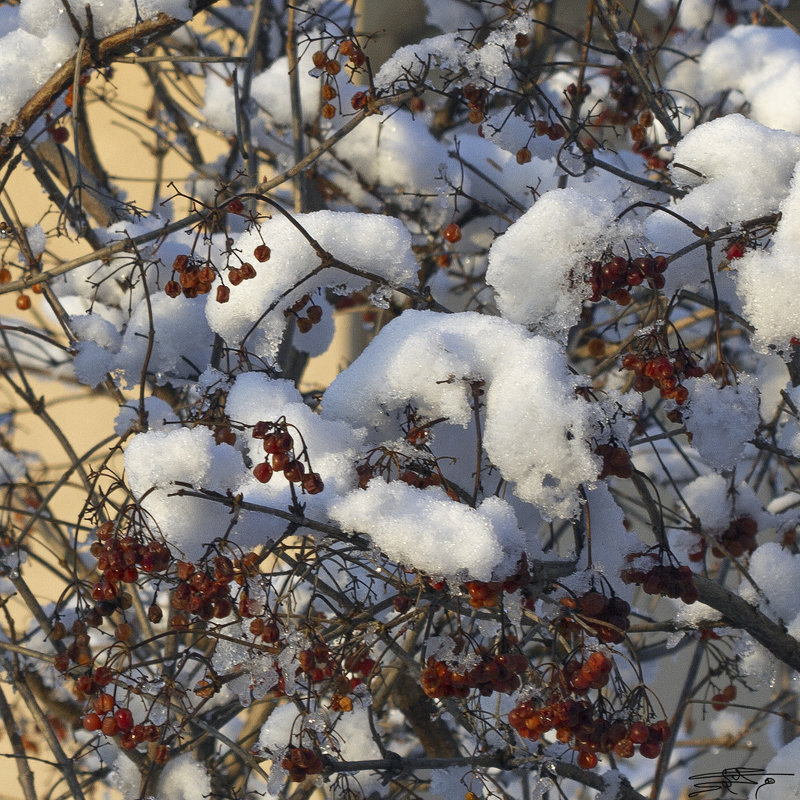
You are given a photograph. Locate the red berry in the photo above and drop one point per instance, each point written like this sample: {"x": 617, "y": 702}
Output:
{"x": 92, "y": 722}
{"x": 60, "y": 134}
{"x": 124, "y": 719}
{"x": 638, "y": 733}
{"x": 452, "y": 233}
{"x": 223, "y": 294}
{"x": 263, "y": 472}
{"x": 262, "y": 253}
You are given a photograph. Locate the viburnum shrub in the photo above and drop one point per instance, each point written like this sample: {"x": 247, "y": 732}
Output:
{"x": 438, "y": 418}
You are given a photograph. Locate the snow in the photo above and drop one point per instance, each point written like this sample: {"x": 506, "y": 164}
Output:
{"x": 782, "y": 769}
{"x": 536, "y": 267}
{"x": 483, "y": 543}
{"x": 735, "y": 169}
{"x": 766, "y": 279}
{"x": 764, "y": 65}
{"x": 721, "y": 419}
{"x": 155, "y": 460}
{"x": 536, "y": 430}
{"x": 374, "y": 244}
{"x": 45, "y": 39}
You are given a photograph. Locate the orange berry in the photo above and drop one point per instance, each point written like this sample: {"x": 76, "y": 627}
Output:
{"x": 23, "y": 302}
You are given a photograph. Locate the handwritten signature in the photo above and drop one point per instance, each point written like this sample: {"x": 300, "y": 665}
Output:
{"x": 733, "y": 776}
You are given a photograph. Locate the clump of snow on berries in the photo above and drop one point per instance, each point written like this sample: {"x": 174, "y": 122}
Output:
{"x": 726, "y": 723}
{"x": 36, "y": 239}
{"x": 764, "y": 65}
{"x": 536, "y": 430}
{"x": 452, "y": 52}
{"x": 353, "y": 734}
{"x": 352, "y": 238}
{"x": 737, "y": 169}
{"x": 776, "y": 571}
{"x": 98, "y": 343}
{"x": 611, "y": 543}
{"x": 767, "y": 280}
{"x": 536, "y": 266}
{"x": 398, "y": 151}
{"x": 721, "y": 419}
{"x": 183, "y": 778}
{"x": 269, "y": 92}
{"x": 400, "y": 519}
{"x": 276, "y": 732}
{"x": 159, "y": 415}
{"x": 156, "y": 460}
{"x": 715, "y": 503}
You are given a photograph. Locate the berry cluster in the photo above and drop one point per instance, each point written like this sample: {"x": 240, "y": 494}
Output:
{"x": 196, "y": 276}
{"x": 720, "y": 701}
{"x": 486, "y": 594}
{"x": 477, "y": 98}
{"x": 300, "y": 762}
{"x": 616, "y": 461}
{"x": 279, "y": 446}
{"x": 662, "y": 579}
{"x": 498, "y": 673}
{"x": 595, "y": 610}
{"x": 120, "y": 560}
{"x": 585, "y": 728}
{"x": 313, "y": 314}
{"x": 552, "y": 130}
{"x": 316, "y": 663}
{"x": 738, "y": 538}
{"x": 615, "y": 277}
{"x": 664, "y": 371}
{"x": 201, "y": 594}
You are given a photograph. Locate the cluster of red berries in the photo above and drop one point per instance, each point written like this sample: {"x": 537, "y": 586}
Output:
{"x": 608, "y": 617}
{"x": 313, "y": 314}
{"x": 196, "y": 277}
{"x": 77, "y": 652}
{"x": 737, "y": 539}
{"x": 199, "y": 593}
{"x": 615, "y": 277}
{"x": 120, "y": 559}
{"x": 279, "y": 446}
{"x": 477, "y": 98}
{"x": 316, "y": 663}
{"x": 494, "y": 673}
{"x": 300, "y": 762}
{"x": 579, "y": 676}
{"x": 616, "y": 461}
{"x": 577, "y": 723}
{"x": 627, "y": 101}
{"x": 541, "y": 127}
{"x": 662, "y": 579}
{"x": 486, "y": 594}
{"x": 664, "y": 371}
{"x": 720, "y": 701}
